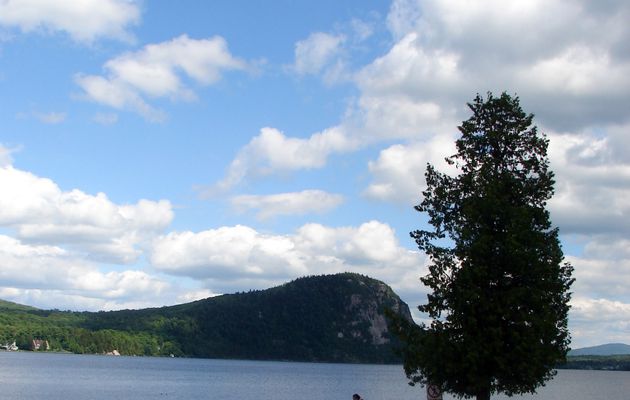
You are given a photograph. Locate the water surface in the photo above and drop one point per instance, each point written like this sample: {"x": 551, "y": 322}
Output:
{"x": 30, "y": 376}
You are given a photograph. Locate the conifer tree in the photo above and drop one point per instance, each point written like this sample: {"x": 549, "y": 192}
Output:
{"x": 499, "y": 286}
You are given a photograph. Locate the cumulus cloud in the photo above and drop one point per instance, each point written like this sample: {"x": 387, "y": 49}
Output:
{"x": 410, "y": 68}
{"x": 593, "y": 184}
{"x": 601, "y": 302}
{"x": 398, "y": 173}
{"x": 40, "y": 212}
{"x": 568, "y": 72}
{"x": 228, "y": 252}
{"x": 271, "y": 152}
{"x": 567, "y": 68}
{"x": 49, "y": 276}
{"x": 83, "y": 20}
{"x": 36, "y": 269}
{"x": 601, "y": 276}
{"x": 608, "y": 248}
{"x": 296, "y": 203}
{"x": 592, "y": 319}
{"x": 63, "y": 299}
{"x": 398, "y": 116}
{"x": 239, "y": 255}
{"x": 158, "y": 70}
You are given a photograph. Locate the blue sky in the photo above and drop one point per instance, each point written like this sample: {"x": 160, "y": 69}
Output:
{"x": 157, "y": 152}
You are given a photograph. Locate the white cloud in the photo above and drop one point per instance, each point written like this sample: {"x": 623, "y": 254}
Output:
{"x": 602, "y": 277}
{"x": 399, "y": 170}
{"x": 317, "y": 52}
{"x": 157, "y": 71}
{"x": 592, "y": 320}
{"x": 115, "y": 93}
{"x": 567, "y": 69}
{"x": 577, "y": 70}
{"x": 232, "y": 256}
{"x": 605, "y": 247}
{"x": 227, "y": 252}
{"x": 296, "y": 203}
{"x": 393, "y": 116}
{"x": 38, "y": 269}
{"x": 271, "y": 151}
{"x": 84, "y": 20}
{"x": 195, "y": 295}
{"x": 421, "y": 72}
{"x": 446, "y": 51}
{"x": 593, "y": 184}
{"x": 39, "y": 211}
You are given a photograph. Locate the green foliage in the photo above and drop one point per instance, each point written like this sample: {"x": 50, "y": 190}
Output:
{"x": 309, "y": 319}
{"x": 500, "y": 290}
{"x": 65, "y": 331}
{"x": 7, "y": 305}
{"x": 608, "y": 363}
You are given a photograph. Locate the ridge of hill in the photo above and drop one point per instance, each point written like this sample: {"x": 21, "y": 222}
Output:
{"x": 335, "y": 318}
{"x": 9, "y": 305}
{"x": 608, "y": 349}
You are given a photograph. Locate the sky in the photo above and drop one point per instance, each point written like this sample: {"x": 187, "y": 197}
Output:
{"x": 158, "y": 152}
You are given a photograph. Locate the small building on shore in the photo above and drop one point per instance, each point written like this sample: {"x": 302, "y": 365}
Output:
{"x": 39, "y": 345}
{"x": 9, "y": 347}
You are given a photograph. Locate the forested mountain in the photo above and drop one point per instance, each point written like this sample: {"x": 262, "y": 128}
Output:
{"x": 322, "y": 318}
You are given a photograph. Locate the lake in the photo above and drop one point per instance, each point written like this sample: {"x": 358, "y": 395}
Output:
{"x": 30, "y": 376}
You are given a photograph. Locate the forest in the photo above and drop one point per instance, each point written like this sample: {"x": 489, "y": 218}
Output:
{"x": 323, "y": 318}
{"x": 607, "y": 363}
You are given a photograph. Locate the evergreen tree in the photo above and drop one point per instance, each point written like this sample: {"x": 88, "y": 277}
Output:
{"x": 500, "y": 288}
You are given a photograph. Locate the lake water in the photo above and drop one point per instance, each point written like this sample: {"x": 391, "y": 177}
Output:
{"x": 38, "y": 376}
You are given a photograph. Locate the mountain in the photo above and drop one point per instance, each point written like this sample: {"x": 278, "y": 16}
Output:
{"x": 336, "y": 318}
{"x": 608, "y": 349}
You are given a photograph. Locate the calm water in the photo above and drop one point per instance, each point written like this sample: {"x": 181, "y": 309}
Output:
{"x": 29, "y": 376}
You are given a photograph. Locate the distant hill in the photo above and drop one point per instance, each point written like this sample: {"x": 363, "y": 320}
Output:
{"x": 607, "y": 357}
{"x": 338, "y": 318}
{"x": 609, "y": 349}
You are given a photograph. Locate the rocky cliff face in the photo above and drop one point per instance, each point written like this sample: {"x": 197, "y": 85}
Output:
{"x": 368, "y": 310}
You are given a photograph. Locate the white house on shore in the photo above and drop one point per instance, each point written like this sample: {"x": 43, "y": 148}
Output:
{"x": 10, "y": 347}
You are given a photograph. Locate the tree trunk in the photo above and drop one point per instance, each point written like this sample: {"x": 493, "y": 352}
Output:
{"x": 483, "y": 394}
